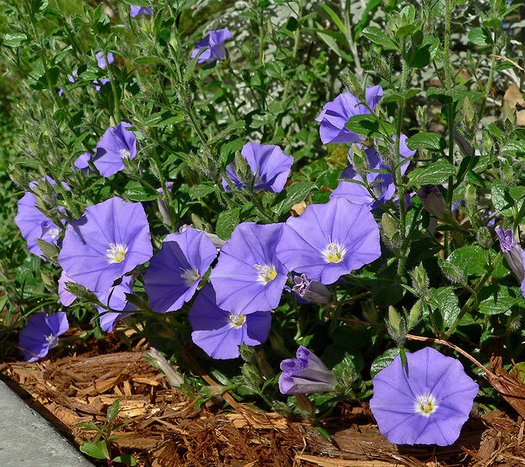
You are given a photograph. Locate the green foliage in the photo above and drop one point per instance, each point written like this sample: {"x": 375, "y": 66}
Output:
{"x": 444, "y": 278}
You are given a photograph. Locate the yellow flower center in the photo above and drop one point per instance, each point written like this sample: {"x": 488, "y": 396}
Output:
{"x": 426, "y": 404}
{"x": 266, "y": 273}
{"x": 334, "y": 253}
{"x": 190, "y": 276}
{"x": 237, "y": 320}
{"x": 116, "y": 253}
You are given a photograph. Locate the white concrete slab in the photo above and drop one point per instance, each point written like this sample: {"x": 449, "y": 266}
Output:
{"x": 28, "y": 440}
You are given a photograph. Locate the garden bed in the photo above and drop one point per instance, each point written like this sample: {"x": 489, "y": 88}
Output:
{"x": 161, "y": 427}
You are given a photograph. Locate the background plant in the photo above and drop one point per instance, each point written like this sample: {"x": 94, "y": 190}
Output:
{"x": 443, "y": 88}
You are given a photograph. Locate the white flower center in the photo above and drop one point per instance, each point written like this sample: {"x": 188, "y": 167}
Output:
{"x": 53, "y": 233}
{"x": 116, "y": 253}
{"x": 334, "y": 253}
{"x": 190, "y": 276}
{"x": 237, "y": 320}
{"x": 125, "y": 153}
{"x": 52, "y": 340}
{"x": 426, "y": 404}
{"x": 266, "y": 273}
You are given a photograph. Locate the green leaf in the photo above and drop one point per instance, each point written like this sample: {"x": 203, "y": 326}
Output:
{"x": 137, "y": 2}
{"x": 364, "y": 124}
{"x": 333, "y": 16}
{"x": 479, "y": 36}
{"x": 501, "y": 198}
{"x": 434, "y": 173}
{"x": 377, "y": 36}
{"x": 164, "y": 118}
{"x": 292, "y": 195}
{"x": 471, "y": 260}
{"x": 14, "y": 40}
{"x": 135, "y": 191}
{"x": 147, "y": 60}
{"x": 514, "y": 147}
{"x": 113, "y": 410}
{"x": 324, "y": 433}
{"x": 202, "y": 190}
{"x": 329, "y": 39}
{"x": 517, "y": 193}
{"x": 419, "y": 56}
{"x": 446, "y": 302}
{"x": 498, "y": 299}
{"x": 88, "y": 426}
{"x": 427, "y": 140}
{"x": 383, "y": 361}
{"x": 127, "y": 459}
{"x": 98, "y": 450}
{"x": 227, "y": 222}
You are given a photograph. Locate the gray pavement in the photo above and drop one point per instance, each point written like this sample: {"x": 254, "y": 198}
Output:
{"x": 28, "y": 440}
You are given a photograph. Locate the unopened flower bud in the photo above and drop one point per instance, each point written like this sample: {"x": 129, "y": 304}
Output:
{"x": 396, "y": 325}
{"x": 390, "y": 231}
{"x": 251, "y": 376}
{"x": 415, "y": 314}
{"x": 305, "y": 374}
{"x": 484, "y": 237}
{"x": 311, "y": 291}
{"x": 50, "y": 251}
{"x": 512, "y": 251}
{"x": 420, "y": 281}
{"x": 433, "y": 202}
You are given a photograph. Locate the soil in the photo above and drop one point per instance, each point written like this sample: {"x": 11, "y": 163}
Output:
{"x": 161, "y": 427}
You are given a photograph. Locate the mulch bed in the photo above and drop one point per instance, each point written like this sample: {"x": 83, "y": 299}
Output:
{"x": 161, "y": 427}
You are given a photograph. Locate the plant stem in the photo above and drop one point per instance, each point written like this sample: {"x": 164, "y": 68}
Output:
{"x": 453, "y": 347}
{"x": 397, "y": 176}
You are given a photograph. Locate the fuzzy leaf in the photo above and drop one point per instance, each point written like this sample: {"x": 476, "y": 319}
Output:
{"x": 377, "y": 36}
{"x": 227, "y": 222}
{"x": 434, "y": 173}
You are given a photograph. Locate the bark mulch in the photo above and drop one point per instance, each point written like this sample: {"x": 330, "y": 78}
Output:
{"x": 161, "y": 427}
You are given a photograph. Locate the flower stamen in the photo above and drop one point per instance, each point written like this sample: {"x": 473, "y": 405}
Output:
{"x": 116, "y": 253}
{"x": 266, "y": 273}
{"x": 125, "y": 153}
{"x": 236, "y": 320}
{"x": 190, "y": 276}
{"x": 334, "y": 253}
{"x": 426, "y": 404}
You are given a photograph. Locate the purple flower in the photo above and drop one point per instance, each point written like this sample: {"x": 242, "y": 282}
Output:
{"x": 512, "y": 251}
{"x": 311, "y": 291}
{"x": 66, "y": 298}
{"x": 109, "y": 240}
{"x": 98, "y": 83}
{"x": 176, "y": 270}
{"x": 433, "y": 202}
{"x": 335, "y": 115}
{"x": 269, "y": 165}
{"x": 329, "y": 240}
{"x": 82, "y": 161}
{"x": 139, "y": 10}
{"x": 381, "y": 183}
{"x": 426, "y": 403}
{"x": 115, "y": 298}
{"x": 213, "y": 46}
{"x": 116, "y": 144}
{"x": 34, "y": 224}
{"x": 101, "y": 59}
{"x": 41, "y": 334}
{"x": 305, "y": 374}
{"x": 219, "y": 332}
{"x": 248, "y": 276}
